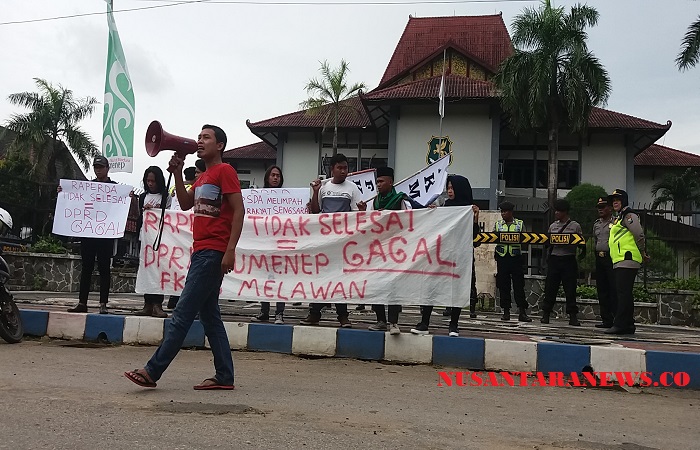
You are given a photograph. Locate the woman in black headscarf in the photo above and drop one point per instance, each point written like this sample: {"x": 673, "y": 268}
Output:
{"x": 459, "y": 193}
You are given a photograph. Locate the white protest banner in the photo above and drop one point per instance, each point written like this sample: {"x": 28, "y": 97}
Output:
{"x": 91, "y": 209}
{"x": 413, "y": 257}
{"x": 428, "y": 184}
{"x": 271, "y": 201}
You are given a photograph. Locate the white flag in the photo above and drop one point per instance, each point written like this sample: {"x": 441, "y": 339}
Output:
{"x": 441, "y": 107}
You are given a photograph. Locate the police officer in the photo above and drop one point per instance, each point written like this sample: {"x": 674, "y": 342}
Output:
{"x": 509, "y": 265}
{"x": 604, "y": 276}
{"x": 627, "y": 251}
{"x": 561, "y": 265}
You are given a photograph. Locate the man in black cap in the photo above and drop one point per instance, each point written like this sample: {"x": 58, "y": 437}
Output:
{"x": 604, "y": 276}
{"x": 561, "y": 265}
{"x": 387, "y": 198}
{"x": 510, "y": 265}
{"x": 91, "y": 248}
{"x": 627, "y": 251}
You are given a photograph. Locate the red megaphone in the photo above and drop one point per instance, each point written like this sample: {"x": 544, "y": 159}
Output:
{"x": 158, "y": 139}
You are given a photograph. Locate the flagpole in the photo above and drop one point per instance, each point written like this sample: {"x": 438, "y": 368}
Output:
{"x": 441, "y": 107}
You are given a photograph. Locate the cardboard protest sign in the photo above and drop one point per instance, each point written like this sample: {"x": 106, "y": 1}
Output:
{"x": 91, "y": 209}
{"x": 276, "y": 200}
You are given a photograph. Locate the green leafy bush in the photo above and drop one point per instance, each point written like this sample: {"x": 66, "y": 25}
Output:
{"x": 49, "y": 244}
{"x": 681, "y": 284}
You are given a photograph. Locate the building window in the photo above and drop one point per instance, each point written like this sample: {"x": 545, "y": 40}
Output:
{"x": 518, "y": 173}
{"x": 366, "y": 163}
{"x": 243, "y": 171}
{"x": 245, "y": 184}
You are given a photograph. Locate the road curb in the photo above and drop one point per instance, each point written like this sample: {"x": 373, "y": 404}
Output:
{"x": 472, "y": 353}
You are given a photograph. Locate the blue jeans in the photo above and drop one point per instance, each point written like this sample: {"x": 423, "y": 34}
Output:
{"x": 200, "y": 295}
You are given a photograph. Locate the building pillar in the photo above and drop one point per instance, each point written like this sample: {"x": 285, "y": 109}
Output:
{"x": 393, "y": 125}
{"x": 492, "y": 195}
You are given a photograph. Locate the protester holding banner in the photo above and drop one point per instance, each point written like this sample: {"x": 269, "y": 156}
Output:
{"x": 273, "y": 179}
{"x": 95, "y": 248}
{"x": 218, "y": 222}
{"x": 459, "y": 193}
{"x": 337, "y": 195}
{"x": 155, "y": 196}
{"x": 387, "y": 198}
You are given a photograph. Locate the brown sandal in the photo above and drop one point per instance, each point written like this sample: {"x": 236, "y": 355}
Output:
{"x": 140, "y": 377}
{"x": 212, "y": 384}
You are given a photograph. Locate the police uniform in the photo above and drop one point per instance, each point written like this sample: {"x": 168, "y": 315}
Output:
{"x": 627, "y": 247}
{"x": 510, "y": 268}
{"x": 604, "y": 275}
{"x": 562, "y": 268}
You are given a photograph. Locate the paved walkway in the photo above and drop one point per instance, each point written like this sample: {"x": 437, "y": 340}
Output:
{"x": 487, "y": 325}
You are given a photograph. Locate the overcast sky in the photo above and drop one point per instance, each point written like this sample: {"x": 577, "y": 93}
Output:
{"x": 226, "y": 62}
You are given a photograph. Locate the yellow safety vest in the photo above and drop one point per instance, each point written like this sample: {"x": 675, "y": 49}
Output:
{"x": 515, "y": 227}
{"x": 622, "y": 241}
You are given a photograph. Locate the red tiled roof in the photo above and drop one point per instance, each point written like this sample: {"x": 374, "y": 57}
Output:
{"x": 658, "y": 155}
{"x": 352, "y": 115}
{"x": 429, "y": 88}
{"x": 604, "y": 118}
{"x": 259, "y": 150}
{"x": 485, "y": 38}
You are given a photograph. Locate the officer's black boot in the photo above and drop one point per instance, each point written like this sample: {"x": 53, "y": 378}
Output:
{"x": 506, "y": 314}
{"x": 522, "y": 315}
{"x": 573, "y": 320}
{"x": 472, "y": 310}
{"x": 545, "y": 317}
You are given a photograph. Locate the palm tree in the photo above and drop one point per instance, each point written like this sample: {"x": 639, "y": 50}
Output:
{"x": 683, "y": 190}
{"x": 331, "y": 89}
{"x": 690, "y": 48}
{"x": 50, "y": 131}
{"x": 552, "y": 80}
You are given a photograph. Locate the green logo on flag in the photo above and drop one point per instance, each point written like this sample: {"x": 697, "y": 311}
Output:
{"x": 118, "y": 118}
{"x": 437, "y": 148}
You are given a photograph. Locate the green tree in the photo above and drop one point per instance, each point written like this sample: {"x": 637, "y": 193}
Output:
{"x": 330, "y": 90}
{"x": 583, "y": 200}
{"x": 663, "y": 262}
{"x": 552, "y": 81}
{"x": 682, "y": 190}
{"x": 49, "y": 132}
{"x": 690, "y": 47}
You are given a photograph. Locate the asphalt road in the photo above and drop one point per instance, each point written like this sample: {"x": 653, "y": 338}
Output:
{"x": 58, "y": 394}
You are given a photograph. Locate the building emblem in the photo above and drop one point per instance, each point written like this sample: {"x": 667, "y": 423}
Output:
{"x": 437, "y": 148}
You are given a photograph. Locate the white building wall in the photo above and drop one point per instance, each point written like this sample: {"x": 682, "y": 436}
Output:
{"x": 257, "y": 171}
{"x": 468, "y": 127}
{"x": 604, "y": 161}
{"x": 300, "y": 160}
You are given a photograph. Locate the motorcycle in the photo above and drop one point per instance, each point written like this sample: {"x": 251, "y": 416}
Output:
{"x": 11, "y": 329}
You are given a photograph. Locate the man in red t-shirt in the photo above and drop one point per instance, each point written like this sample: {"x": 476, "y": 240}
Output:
{"x": 218, "y": 221}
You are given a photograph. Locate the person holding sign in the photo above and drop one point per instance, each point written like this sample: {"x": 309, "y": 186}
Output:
{"x": 273, "y": 179}
{"x": 387, "y": 199}
{"x": 218, "y": 222}
{"x": 155, "y": 196}
{"x": 337, "y": 195}
{"x": 459, "y": 193}
{"x": 95, "y": 248}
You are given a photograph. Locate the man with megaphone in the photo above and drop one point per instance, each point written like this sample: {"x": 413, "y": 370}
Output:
{"x": 218, "y": 221}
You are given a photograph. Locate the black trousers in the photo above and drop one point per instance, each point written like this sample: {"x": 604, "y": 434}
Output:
{"x": 624, "y": 282}
{"x": 394, "y": 311}
{"x": 153, "y": 299}
{"x": 426, "y": 311}
{"x": 510, "y": 268}
{"x": 91, "y": 249}
{"x": 265, "y": 308}
{"x": 605, "y": 285}
{"x": 340, "y": 308}
{"x": 561, "y": 270}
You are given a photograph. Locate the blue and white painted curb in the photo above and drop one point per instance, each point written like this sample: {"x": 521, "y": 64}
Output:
{"x": 461, "y": 352}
